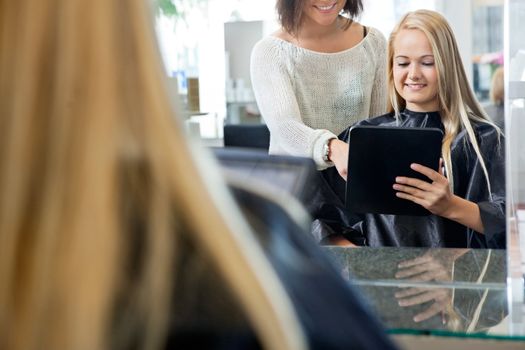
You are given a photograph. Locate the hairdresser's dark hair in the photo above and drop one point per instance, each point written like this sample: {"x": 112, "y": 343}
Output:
{"x": 290, "y": 12}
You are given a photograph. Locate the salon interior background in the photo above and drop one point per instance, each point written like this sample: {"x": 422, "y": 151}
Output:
{"x": 208, "y": 42}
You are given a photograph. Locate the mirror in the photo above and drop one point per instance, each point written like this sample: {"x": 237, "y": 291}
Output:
{"x": 206, "y": 49}
{"x": 515, "y": 172}
{"x": 208, "y": 59}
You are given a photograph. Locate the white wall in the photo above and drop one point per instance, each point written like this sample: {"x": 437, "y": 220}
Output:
{"x": 207, "y": 33}
{"x": 459, "y": 15}
{"x": 239, "y": 39}
{"x": 383, "y": 15}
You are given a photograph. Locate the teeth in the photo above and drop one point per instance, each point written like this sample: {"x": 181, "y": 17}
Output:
{"x": 416, "y": 87}
{"x": 325, "y": 8}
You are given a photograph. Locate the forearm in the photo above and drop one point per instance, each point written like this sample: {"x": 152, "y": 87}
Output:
{"x": 293, "y": 137}
{"x": 277, "y": 101}
{"x": 466, "y": 213}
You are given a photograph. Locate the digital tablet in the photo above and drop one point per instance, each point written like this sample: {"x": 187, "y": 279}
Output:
{"x": 377, "y": 155}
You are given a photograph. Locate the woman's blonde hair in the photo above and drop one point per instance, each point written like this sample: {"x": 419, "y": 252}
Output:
{"x": 458, "y": 105}
{"x": 93, "y": 166}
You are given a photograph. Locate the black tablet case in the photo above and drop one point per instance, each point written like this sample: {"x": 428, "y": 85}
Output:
{"x": 377, "y": 155}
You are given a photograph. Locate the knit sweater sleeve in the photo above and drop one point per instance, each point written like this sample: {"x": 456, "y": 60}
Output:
{"x": 378, "y": 99}
{"x": 273, "y": 88}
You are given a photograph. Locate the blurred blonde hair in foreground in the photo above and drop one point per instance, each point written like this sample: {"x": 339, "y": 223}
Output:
{"x": 88, "y": 146}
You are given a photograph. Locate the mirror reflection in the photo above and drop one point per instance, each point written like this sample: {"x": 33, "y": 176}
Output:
{"x": 257, "y": 78}
{"x": 458, "y": 290}
{"x": 305, "y": 77}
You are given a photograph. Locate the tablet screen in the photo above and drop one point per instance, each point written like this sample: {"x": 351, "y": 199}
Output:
{"x": 379, "y": 154}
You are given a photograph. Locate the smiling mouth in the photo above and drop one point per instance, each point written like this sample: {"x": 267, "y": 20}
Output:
{"x": 326, "y": 8}
{"x": 416, "y": 86}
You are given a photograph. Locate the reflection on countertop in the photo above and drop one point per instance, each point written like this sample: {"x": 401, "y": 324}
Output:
{"x": 430, "y": 290}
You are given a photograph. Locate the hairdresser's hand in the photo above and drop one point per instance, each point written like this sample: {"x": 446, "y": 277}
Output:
{"x": 339, "y": 156}
{"x": 436, "y": 197}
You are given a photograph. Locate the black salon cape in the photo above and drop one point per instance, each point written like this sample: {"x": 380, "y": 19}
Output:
{"x": 332, "y": 312}
{"x": 378, "y": 230}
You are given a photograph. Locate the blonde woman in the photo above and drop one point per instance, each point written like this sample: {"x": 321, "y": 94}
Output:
{"x": 428, "y": 87}
{"x": 111, "y": 236}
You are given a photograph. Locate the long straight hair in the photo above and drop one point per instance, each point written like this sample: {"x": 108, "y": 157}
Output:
{"x": 458, "y": 105}
{"x": 87, "y": 131}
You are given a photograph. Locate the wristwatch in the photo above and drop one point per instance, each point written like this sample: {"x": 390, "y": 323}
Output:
{"x": 326, "y": 150}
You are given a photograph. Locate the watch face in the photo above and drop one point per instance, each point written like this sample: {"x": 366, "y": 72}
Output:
{"x": 326, "y": 151}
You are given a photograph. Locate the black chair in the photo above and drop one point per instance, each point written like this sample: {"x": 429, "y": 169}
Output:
{"x": 329, "y": 307}
{"x": 247, "y": 136}
{"x": 293, "y": 175}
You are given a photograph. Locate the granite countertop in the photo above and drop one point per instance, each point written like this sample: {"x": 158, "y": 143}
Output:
{"x": 430, "y": 290}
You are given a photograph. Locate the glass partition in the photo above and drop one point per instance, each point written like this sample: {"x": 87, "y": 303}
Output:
{"x": 206, "y": 47}
{"x": 515, "y": 143}
{"x": 432, "y": 291}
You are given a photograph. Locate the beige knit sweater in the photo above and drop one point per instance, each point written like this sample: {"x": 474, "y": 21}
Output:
{"x": 308, "y": 97}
